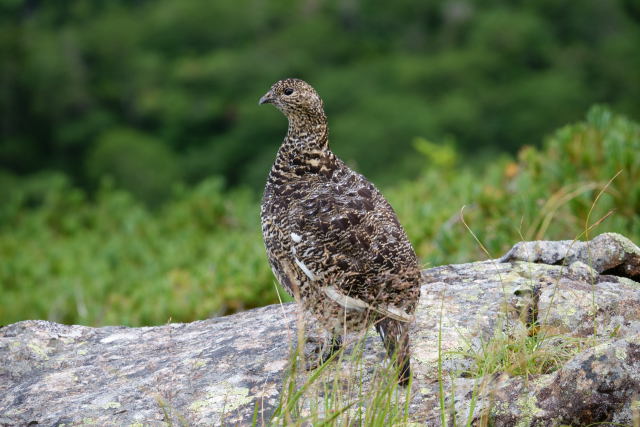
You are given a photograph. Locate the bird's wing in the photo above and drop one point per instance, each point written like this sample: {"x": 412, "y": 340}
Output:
{"x": 351, "y": 244}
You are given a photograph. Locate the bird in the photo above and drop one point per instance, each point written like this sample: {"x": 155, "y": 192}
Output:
{"x": 332, "y": 239}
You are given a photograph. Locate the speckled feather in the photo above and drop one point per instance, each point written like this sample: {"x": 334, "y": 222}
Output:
{"x": 330, "y": 235}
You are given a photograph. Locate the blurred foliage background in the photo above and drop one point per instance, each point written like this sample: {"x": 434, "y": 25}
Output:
{"x": 133, "y": 151}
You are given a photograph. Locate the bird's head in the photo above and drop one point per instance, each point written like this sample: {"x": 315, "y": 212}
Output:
{"x": 295, "y": 98}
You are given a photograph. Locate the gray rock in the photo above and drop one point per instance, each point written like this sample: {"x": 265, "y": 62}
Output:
{"x": 598, "y": 385}
{"x": 231, "y": 370}
{"x": 606, "y": 253}
{"x": 201, "y": 373}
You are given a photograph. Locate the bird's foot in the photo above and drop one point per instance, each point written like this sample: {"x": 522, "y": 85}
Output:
{"x": 318, "y": 351}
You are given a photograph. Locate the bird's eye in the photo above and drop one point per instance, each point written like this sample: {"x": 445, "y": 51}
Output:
{"x": 288, "y": 91}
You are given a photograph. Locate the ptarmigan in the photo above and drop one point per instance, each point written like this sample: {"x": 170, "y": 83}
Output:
{"x": 331, "y": 237}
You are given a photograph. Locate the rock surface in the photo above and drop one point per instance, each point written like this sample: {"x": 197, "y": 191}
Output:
{"x": 230, "y": 370}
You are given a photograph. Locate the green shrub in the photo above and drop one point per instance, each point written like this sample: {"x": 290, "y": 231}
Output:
{"x": 113, "y": 261}
{"x": 545, "y": 193}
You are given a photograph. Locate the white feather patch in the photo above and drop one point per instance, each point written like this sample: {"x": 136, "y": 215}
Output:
{"x": 344, "y": 300}
{"x": 395, "y": 313}
{"x": 305, "y": 269}
{"x": 351, "y": 303}
{"x": 296, "y": 237}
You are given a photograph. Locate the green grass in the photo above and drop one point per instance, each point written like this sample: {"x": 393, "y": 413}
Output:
{"x": 111, "y": 260}
{"x": 528, "y": 351}
{"x": 340, "y": 392}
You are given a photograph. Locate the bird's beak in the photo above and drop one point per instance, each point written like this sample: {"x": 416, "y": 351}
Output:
{"x": 267, "y": 98}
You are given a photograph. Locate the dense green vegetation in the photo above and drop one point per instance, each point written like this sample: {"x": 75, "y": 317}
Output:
{"x": 111, "y": 259}
{"x": 157, "y": 92}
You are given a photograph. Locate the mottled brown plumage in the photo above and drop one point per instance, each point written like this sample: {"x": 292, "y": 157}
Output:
{"x": 331, "y": 237}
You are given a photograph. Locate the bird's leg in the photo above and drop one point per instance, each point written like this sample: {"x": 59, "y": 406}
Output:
{"x": 395, "y": 336}
{"x": 326, "y": 349}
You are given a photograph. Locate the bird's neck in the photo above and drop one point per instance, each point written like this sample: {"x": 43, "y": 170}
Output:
{"x": 305, "y": 148}
{"x": 307, "y": 133}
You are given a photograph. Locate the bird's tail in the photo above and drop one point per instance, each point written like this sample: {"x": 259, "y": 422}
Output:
{"x": 395, "y": 336}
